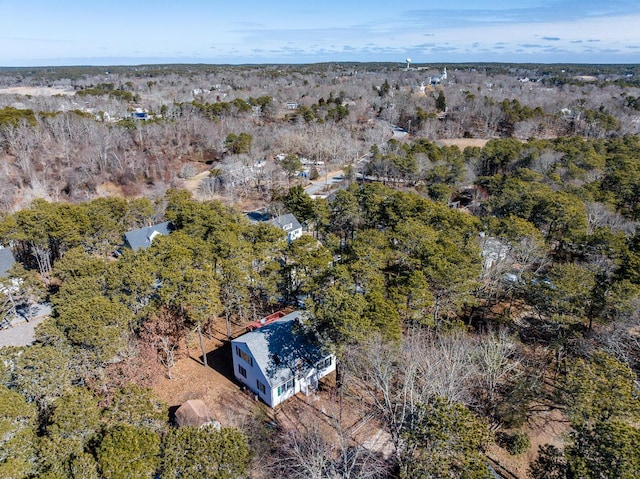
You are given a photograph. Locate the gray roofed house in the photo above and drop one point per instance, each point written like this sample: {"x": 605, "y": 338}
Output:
{"x": 288, "y": 223}
{"x": 143, "y": 237}
{"x": 6, "y": 261}
{"x": 280, "y": 359}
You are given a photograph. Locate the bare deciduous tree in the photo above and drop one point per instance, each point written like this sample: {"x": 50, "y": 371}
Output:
{"x": 393, "y": 379}
{"x": 496, "y": 360}
{"x": 317, "y": 454}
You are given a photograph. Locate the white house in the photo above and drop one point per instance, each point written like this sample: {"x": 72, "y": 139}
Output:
{"x": 280, "y": 359}
{"x": 438, "y": 79}
{"x": 290, "y": 224}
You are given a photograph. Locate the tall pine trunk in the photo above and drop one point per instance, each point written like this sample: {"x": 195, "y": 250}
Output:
{"x": 204, "y": 353}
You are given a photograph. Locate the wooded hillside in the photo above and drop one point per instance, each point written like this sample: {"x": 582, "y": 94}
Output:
{"x": 467, "y": 293}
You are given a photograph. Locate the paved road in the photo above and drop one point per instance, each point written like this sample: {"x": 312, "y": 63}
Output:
{"x": 21, "y": 332}
{"x": 330, "y": 180}
{"x": 397, "y": 132}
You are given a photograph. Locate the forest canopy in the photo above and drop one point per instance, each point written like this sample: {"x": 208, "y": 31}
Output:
{"x": 471, "y": 256}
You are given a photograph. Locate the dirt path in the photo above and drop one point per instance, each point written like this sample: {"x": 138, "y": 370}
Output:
{"x": 193, "y": 184}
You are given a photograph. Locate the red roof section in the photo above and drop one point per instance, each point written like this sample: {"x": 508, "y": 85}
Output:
{"x": 266, "y": 320}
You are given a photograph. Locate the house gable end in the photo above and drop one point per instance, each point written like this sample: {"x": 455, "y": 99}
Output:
{"x": 282, "y": 354}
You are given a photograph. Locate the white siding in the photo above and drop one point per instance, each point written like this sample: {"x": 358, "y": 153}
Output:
{"x": 253, "y": 373}
{"x": 295, "y": 234}
{"x": 306, "y": 384}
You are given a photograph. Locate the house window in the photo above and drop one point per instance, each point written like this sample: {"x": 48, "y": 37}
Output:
{"x": 244, "y": 356}
{"x": 261, "y": 387}
{"x": 242, "y": 371}
{"x": 283, "y": 388}
{"x": 324, "y": 363}
{"x": 288, "y": 226}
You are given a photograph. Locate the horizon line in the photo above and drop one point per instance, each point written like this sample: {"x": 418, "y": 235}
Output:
{"x": 324, "y": 62}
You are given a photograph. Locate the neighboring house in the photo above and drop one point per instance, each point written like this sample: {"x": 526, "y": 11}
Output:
{"x": 6, "y": 261}
{"x": 292, "y": 105}
{"x": 280, "y": 358}
{"x": 494, "y": 253}
{"x": 497, "y": 260}
{"x": 143, "y": 237}
{"x": 289, "y": 224}
{"x": 438, "y": 79}
{"x": 139, "y": 114}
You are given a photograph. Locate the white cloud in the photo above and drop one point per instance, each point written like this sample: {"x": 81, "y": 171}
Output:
{"x": 552, "y": 29}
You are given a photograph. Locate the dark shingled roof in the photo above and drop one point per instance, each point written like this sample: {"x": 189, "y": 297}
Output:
{"x": 142, "y": 238}
{"x": 6, "y": 261}
{"x": 258, "y": 215}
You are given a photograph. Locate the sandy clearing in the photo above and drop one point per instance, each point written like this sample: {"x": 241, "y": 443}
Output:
{"x": 36, "y": 91}
{"x": 462, "y": 143}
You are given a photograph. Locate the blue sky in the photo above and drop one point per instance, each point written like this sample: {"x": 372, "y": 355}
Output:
{"x": 72, "y": 32}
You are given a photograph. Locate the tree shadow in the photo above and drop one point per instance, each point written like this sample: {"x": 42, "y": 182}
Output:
{"x": 172, "y": 414}
{"x": 220, "y": 360}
